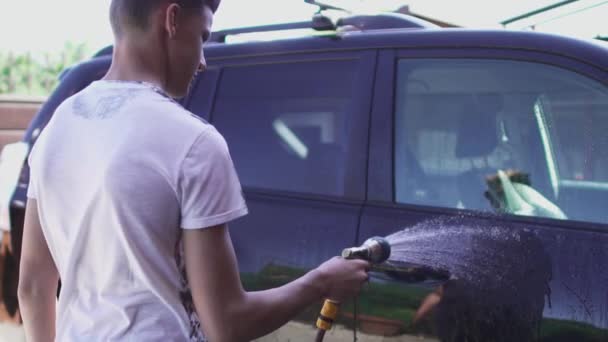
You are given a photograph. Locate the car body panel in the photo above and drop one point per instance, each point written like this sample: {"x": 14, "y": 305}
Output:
{"x": 576, "y": 307}
{"x": 295, "y": 232}
{"x": 287, "y": 233}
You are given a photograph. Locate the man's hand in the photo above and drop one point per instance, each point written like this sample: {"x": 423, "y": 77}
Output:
{"x": 220, "y": 300}
{"x": 343, "y": 278}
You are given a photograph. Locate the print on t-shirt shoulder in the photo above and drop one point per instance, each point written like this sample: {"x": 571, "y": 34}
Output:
{"x": 105, "y": 106}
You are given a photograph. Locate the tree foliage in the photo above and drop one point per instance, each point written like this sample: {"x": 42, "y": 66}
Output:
{"x": 29, "y": 74}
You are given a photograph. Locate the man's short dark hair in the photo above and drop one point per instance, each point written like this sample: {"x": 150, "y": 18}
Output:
{"x": 135, "y": 13}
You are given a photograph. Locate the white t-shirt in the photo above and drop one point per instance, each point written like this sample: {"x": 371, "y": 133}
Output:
{"x": 117, "y": 171}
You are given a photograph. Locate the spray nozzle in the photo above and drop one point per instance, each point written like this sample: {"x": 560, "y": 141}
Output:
{"x": 375, "y": 250}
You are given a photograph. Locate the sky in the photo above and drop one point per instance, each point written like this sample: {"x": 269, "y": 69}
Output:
{"x": 43, "y": 25}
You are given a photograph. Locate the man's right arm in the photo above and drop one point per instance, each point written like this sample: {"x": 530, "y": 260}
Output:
{"x": 229, "y": 313}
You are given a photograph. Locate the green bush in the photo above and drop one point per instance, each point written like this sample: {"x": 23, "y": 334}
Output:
{"x": 28, "y": 74}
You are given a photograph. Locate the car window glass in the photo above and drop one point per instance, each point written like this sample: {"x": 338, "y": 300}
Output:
{"x": 503, "y": 136}
{"x": 580, "y": 117}
{"x": 286, "y": 124}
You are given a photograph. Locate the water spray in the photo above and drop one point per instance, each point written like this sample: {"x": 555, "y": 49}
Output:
{"x": 375, "y": 250}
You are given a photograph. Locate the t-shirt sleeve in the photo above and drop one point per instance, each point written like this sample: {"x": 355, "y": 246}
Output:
{"x": 210, "y": 191}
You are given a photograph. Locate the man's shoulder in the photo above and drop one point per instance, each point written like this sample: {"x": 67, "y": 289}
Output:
{"x": 173, "y": 114}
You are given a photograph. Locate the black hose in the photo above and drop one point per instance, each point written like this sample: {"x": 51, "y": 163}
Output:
{"x": 320, "y": 335}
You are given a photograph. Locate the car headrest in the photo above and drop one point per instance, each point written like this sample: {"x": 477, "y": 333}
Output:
{"x": 478, "y": 129}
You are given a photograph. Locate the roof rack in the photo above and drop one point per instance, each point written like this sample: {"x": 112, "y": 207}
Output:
{"x": 320, "y": 22}
{"x": 385, "y": 21}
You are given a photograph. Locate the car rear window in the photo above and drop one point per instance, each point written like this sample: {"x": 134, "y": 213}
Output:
{"x": 286, "y": 124}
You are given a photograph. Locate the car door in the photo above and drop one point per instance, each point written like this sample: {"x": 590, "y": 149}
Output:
{"x": 202, "y": 92}
{"x": 487, "y": 172}
{"x": 296, "y": 126}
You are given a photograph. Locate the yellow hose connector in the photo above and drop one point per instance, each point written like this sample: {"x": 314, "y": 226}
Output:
{"x": 328, "y": 315}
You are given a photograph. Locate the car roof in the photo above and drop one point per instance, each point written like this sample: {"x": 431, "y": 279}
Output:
{"x": 392, "y": 30}
{"x": 588, "y": 51}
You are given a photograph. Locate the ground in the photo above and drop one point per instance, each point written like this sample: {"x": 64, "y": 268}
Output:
{"x": 10, "y": 332}
{"x": 292, "y": 331}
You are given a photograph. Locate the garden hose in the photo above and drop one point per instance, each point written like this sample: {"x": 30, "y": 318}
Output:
{"x": 375, "y": 250}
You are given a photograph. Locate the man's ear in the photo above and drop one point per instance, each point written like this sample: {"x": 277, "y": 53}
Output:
{"x": 171, "y": 19}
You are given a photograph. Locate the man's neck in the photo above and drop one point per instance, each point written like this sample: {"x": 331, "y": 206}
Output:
{"x": 132, "y": 64}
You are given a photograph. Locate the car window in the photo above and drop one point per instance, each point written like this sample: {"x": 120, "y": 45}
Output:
{"x": 580, "y": 119}
{"x": 286, "y": 124}
{"x": 200, "y": 96}
{"x": 504, "y": 136}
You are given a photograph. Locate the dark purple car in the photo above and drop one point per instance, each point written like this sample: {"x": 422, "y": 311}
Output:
{"x": 483, "y": 154}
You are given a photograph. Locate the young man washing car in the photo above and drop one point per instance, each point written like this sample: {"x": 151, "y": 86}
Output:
{"x": 129, "y": 200}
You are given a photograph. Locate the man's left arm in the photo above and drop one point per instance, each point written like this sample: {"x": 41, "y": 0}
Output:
{"x": 38, "y": 280}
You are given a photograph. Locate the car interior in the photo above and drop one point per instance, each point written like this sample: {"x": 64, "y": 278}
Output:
{"x": 459, "y": 125}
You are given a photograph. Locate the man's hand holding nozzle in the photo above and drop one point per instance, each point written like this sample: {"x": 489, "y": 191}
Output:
{"x": 341, "y": 278}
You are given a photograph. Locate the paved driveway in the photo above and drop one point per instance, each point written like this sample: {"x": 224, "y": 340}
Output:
{"x": 11, "y": 333}
{"x": 292, "y": 331}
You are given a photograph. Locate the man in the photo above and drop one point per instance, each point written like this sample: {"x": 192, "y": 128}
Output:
{"x": 129, "y": 199}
